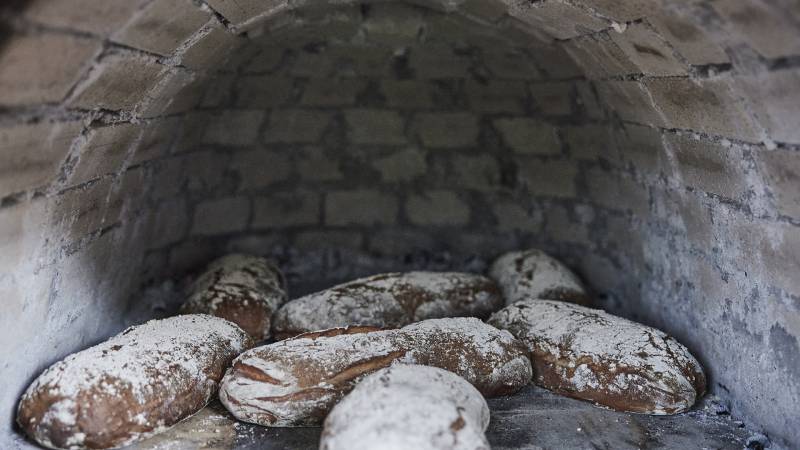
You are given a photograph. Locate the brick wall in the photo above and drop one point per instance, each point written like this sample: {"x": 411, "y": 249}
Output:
{"x": 651, "y": 144}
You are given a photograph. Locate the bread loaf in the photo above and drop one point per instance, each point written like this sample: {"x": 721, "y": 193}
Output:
{"x": 137, "y": 383}
{"x": 409, "y": 407}
{"x": 533, "y": 274}
{"x": 244, "y": 289}
{"x": 295, "y": 382}
{"x": 390, "y": 300}
{"x": 592, "y": 355}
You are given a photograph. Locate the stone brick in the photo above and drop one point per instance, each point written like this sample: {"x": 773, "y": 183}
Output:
{"x": 648, "y": 51}
{"x": 511, "y": 65}
{"x": 553, "y": 98}
{"x": 359, "y": 60}
{"x": 156, "y": 140}
{"x": 329, "y": 239}
{"x": 88, "y": 208}
{"x": 438, "y": 61}
{"x": 32, "y": 154}
{"x": 761, "y": 26}
{"x": 297, "y": 126}
{"x": 177, "y": 91}
{"x": 626, "y": 11}
{"x": 247, "y": 13}
{"x": 559, "y": 20}
{"x": 588, "y": 101}
{"x": 630, "y": 102}
{"x": 555, "y": 61}
{"x": 780, "y": 245}
{"x": 211, "y": 49}
{"x": 316, "y": 165}
{"x": 393, "y": 24}
{"x": 496, "y": 96}
{"x": 202, "y": 171}
{"x": 286, "y": 209}
{"x": 644, "y": 148}
{"x": 511, "y": 216}
{"x": 551, "y": 178}
{"x": 372, "y": 126}
{"x": 590, "y": 142}
{"x": 599, "y": 56}
{"x": 312, "y": 64}
{"x": 104, "y": 151}
{"x": 360, "y": 207}
{"x": 709, "y": 166}
{"x": 221, "y": 216}
{"x": 260, "y": 168}
{"x": 82, "y": 15}
{"x": 162, "y": 25}
{"x": 774, "y": 97}
{"x": 404, "y": 165}
{"x": 266, "y": 59}
{"x": 480, "y": 172}
{"x": 691, "y": 41}
{"x": 119, "y": 82}
{"x": 219, "y": 93}
{"x": 561, "y": 226}
{"x": 401, "y": 241}
{"x": 614, "y": 191}
{"x": 486, "y": 10}
{"x": 696, "y": 219}
{"x": 42, "y": 68}
{"x": 235, "y": 128}
{"x": 528, "y": 136}
{"x": 437, "y": 208}
{"x": 447, "y": 130}
{"x": 407, "y": 94}
{"x": 781, "y": 169}
{"x": 263, "y": 91}
{"x": 332, "y": 92}
{"x": 705, "y": 105}
{"x": 170, "y": 223}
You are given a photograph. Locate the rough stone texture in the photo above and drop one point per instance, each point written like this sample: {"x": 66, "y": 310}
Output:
{"x": 668, "y": 182}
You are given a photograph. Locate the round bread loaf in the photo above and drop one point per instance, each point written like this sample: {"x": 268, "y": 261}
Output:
{"x": 296, "y": 382}
{"x": 247, "y": 290}
{"x": 390, "y": 300}
{"x": 533, "y": 274}
{"x": 592, "y": 355}
{"x": 138, "y": 383}
{"x": 409, "y": 407}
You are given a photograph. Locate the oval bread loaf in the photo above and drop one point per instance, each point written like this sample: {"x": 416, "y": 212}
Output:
{"x": 136, "y": 384}
{"x": 592, "y": 355}
{"x": 533, "y": 274}
{"x": 247, "y": 290}
{"x": 295, "y": 382}
{"x": 409, "y": 407}
{"x": 390, "y": 300}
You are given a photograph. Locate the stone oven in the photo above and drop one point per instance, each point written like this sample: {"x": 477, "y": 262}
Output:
{"x": 651, "y": 145}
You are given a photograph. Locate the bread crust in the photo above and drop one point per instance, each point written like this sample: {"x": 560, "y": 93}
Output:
{"x": 592, "y": 355}
{"x": 533, "y": 274}
{"x": 409, "y": 407}
{"x": 136, "y": 384}
{"x": 390, "y": 300}
{"x": 245, "y": 289}
{"x": 295, "y": 382}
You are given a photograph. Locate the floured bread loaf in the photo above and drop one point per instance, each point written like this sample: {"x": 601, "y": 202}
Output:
{"x": 409, "y": 407}
{"x": 390, "y": 300}
{"x": 533, "y": 274}
{"x": 589, "y": 354}
{"x": 247, "y": 290}
{"x": 296, "y": 382}
{"x": 138, "y": 383}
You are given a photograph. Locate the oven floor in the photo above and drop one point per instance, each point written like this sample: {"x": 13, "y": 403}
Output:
{"x": 533, "y": 419}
